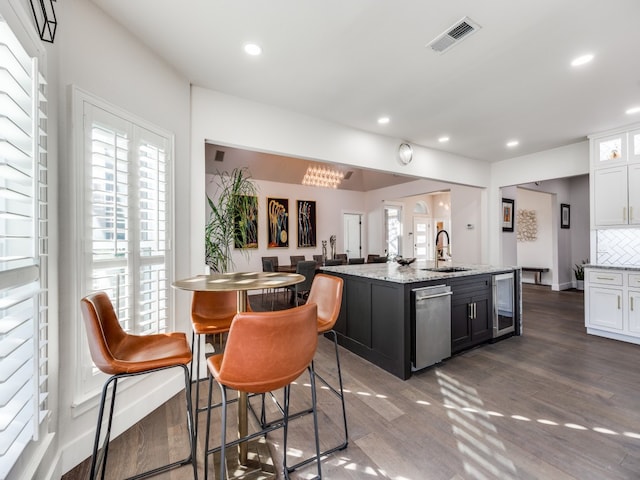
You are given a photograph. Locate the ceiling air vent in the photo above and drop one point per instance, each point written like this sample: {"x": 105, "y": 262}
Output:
{"x": 454, "y": 35}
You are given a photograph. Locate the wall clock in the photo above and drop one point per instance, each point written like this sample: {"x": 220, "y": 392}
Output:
{"x": 405, "y": 153}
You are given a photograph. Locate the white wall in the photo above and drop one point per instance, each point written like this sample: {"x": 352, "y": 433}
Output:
{"x": 467, "y": 204}
{"x": 579, "y": 201}
{"x": 231, "y": 121}
{"x": 100, "y": 57}
{"x": 567, "y": 245}
{"x": 330, "y": 206}
{"x": 538, "y": 252}
{"x": 562, "y": 162}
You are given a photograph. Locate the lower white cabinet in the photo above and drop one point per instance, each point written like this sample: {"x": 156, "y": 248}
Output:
{"x": 612, "y": 304}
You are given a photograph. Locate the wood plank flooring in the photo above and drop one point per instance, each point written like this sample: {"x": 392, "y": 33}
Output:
{"x": 554, "y": 403}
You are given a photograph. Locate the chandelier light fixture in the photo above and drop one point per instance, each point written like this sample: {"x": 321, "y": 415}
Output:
{"x": 322, "y": 177}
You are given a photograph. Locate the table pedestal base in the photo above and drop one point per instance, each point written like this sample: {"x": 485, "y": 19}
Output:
{"x": 259, "y": 465}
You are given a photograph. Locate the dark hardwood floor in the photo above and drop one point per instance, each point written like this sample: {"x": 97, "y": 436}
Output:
{"x": 554, "y": 403}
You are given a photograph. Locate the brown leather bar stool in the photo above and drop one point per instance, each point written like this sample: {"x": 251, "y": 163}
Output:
{"x": 265, "y": 351}
{"x": 211, "y": 314}
{"x": 326, "y": 293}
{"x": 121, "y": 355}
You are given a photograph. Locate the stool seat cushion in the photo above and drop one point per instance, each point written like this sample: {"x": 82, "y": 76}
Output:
{"x": 267, "y": 350}
{"x": 114, "y": 351}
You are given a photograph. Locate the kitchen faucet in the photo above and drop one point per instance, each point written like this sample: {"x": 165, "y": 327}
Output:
{"x": 436, "y": 245}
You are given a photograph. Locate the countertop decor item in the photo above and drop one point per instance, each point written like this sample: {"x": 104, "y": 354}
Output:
{"x": 404, "y": 261}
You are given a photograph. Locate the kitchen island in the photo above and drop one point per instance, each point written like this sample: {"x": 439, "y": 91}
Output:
{"x": 377, "y": 320}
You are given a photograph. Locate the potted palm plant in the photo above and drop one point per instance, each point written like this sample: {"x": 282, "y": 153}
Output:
{"x": 579, "y": 274}
{"x": 231, "y": 220}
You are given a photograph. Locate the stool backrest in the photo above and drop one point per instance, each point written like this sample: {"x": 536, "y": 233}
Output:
{"x": 104, "y": 332}
{"x": 266, "y": 351}
{"x": 213, "y": 306}
{"x": 326, "y": 293}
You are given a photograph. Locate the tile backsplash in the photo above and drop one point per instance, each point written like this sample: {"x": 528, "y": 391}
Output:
{"x": 618, "y": 247}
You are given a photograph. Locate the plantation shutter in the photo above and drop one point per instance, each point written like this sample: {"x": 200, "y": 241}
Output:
{"x": 23, "y": 250}
{"x": 126, "y": 220}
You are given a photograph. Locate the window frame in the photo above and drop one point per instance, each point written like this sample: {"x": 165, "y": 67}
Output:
{"x": 89, "y": 381}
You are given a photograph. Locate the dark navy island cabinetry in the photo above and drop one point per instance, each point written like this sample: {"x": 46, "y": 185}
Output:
{"x": 377, "y": 319}
{"x": 471, "y": 312}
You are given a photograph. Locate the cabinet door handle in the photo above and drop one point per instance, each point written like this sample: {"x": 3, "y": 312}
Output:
{"x": 631, "y": 302}
{"x": 474, "y": 310}
{"x": 618, "y": 302}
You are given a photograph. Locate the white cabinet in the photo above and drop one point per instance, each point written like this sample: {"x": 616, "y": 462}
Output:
{"x": 605, "y": 308}
{"x": 615, "y": 173}
{"x": 612, "y": 304}
{"x": 634, "y": 312}
{"x": 609, "y": 150}
{"x": 616, "y": 193}
{"x": 611, "y": 197}
{"x": 633, "y": 187}
{"x": 634, "y": 146}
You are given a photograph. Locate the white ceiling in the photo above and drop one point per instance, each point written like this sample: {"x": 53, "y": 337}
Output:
{"x": 351, "y": 61}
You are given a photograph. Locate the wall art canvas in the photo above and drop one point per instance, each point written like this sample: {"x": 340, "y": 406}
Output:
{"x": 306, "y": 223}
{"x": 278, "y": 222}
{"x": 507, "y": 215}
{"x": 247, "y": 225}
{"x": 565, "y": 215}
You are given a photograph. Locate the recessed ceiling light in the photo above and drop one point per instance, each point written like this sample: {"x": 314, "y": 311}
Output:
{"x": 443, "y": 139}
{"x": 633, "y": 110}
{"x": 252, "y": 49}
{"x": 383, "y": 120}
{"x": 513, "y": 143}
{"x": 581, "y": 60}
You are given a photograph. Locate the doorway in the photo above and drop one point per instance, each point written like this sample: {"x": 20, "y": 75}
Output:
{"x": 422, "y": 248}
{"x": 352, "y": 223}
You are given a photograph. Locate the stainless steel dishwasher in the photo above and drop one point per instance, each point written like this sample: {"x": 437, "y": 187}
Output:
{"x": 432, "y": 332}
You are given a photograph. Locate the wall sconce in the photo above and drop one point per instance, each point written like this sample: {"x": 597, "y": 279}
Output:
{"x": 45, "y": 17}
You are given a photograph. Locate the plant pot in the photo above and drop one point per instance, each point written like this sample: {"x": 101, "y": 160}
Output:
{"x": 580, "y": 284}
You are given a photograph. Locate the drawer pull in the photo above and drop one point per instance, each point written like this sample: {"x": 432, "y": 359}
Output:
{"x": 605, "y": 278}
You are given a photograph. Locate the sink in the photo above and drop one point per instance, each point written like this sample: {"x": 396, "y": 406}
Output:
{"x": 447, "y": 269}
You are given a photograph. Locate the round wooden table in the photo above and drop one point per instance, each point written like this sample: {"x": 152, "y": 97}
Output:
{"x": 240, "y": 282}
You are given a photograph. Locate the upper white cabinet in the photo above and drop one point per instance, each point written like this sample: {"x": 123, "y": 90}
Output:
{"x": 611, "y": 196}
{"x": 609, "y": 150}
{"x": 615, "y": 173}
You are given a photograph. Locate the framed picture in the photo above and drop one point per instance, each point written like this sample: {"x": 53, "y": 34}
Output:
{"x": 306, "y": 223}
{"x": 565, "y": 215}
{"x": 278, "y": 222}
{"x": 246, "y": 225}
{"x": 507, "y": 215}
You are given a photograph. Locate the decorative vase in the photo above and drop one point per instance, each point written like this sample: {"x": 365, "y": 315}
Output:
{"x": 580, "y": 284}
{"x": 324, "y": 251}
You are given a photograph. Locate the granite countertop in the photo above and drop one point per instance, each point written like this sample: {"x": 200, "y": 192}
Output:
{"x": 635, "y": 268}
{"x": 393, "y": 272}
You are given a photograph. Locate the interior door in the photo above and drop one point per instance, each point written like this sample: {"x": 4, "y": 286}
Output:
{"x": 422, "y": 238}
{"x": 353, "y": 235}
